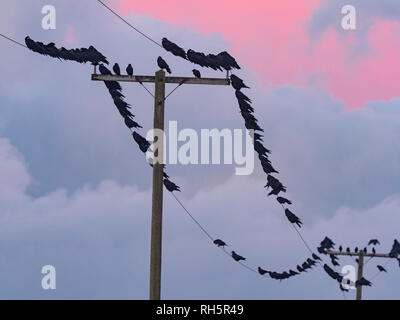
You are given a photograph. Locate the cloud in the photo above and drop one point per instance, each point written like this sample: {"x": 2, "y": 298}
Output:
{"x": 281, "y": 48}
{"x": 98, "y": 241}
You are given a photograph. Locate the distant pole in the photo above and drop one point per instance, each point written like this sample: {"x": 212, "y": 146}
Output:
{"x": 360, "y": 273}
{"x": 157, "y": 201}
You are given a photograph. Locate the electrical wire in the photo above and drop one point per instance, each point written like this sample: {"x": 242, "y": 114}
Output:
{"x": 134, "y": 28}
{"x": 12, "y": 40}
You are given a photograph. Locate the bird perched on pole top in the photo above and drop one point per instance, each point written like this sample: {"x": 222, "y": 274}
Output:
{"x": 163, "y": 65}
{"x": 116, "y": 69}
{"x": 129, "y": 70}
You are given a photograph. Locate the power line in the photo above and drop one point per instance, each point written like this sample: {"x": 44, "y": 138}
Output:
{"x": 134, "y": 28}
{"x": 12, "y": 40}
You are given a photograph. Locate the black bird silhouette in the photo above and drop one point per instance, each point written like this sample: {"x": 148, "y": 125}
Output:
{"x": 144, "y": 145}
{"x": 365, "y": 250}
{"x": 196, "y": 73}
{"x": 315, "y": 257}
{"x": 333, "y": 274}
{"x": 333, "y": 260}
{"x": 327, "y": 243}
{"x": 220, "y": 243}
{"x": 356, "y": 249}
{"x": 163, "y": 65}
{"x": 282, "y": 200}
{"x": 173, "y": 48}
{"x": 348, "y": 250}
{"x": 171, "y": 187}
{"x": 381, "y": 269}
{"x": 373, "y": 251}
{"x": 241, "y": 96}
{"x": 237, "y": 257}
{"x": 293, "y": 218}
{"x": 340, "y": 249}
{"x": 237, "y": 83}
{"x": 129, "y": 70}
{"x": 395, "y": 251}
{"x": 293, "y": 273}
{"x": 116, "y": 69}
{"x": 363, "y": 282}
{"x": 104, "y": 70}
{"x": 131, "y": 124}
{"x": 300, "y": 269}
{"x": 262, "y": 271}
{"x": 343, "y": 288}
{"x": 374, "y": 242}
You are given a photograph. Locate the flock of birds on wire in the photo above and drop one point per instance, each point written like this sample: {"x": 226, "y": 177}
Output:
{"x": 222, "y": 61}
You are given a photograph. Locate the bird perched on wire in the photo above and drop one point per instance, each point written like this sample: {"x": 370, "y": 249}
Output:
{"x": 365, "y": 250}
{"x": 315, "y": 257}
{"x": 300, "y": 269}
{"x": 262, "y": 271}
{"x": 196, "y": 73}
{"x": 237, "y": 257}
{"x": 116, "y": 69}
{"x": 171, "y": 187}
{"x": 282, "y": 200}
{"x": 163, "y": 65}
{"x": 363, "y": 282}
{"x": 129, "y": 70}
{"x": 373, "y": 251}
{"x": 293, "y": 218}
{"x": 356, "y": 249}
{"x": 374, "y": 242}
{"x": 237, "y": 83}
{"x": 381, "y": 269}
{"x": 220, "y": 243}
{"x": 173, "y": 48}
{"x": 131, "y": 123}
{"x": 340, "y": 248}
{"x": 143, "y": 144}
{"x": 348, "y": 250}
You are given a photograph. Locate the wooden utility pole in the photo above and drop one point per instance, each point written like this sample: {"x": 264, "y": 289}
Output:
{"x": 157, "y": 198}
{"x": 361, "y": 254}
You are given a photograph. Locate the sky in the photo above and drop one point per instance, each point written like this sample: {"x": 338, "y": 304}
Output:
{"x": 75, "y": 192}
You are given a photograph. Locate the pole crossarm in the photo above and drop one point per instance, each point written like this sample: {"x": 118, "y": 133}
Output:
{"x": 177, "y": 80}
{"x": 375, "y": 255}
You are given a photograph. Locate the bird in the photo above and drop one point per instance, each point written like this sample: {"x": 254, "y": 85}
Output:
{"x": 116, "y": 69}
{"x": 237, "y": 83}
{"x": 293, "y": 218}
{"x": 163, "y": 65}
{"x": 363, "y": 282}
{"x": 343, "y": 288}
{"x": 241, "y": 96}
{"x": 104, "y": 70}
{"x": 131, "y": 123}
{"x": 262, "y": 271}
{"x": 300, "y": 269}
{"x": 293, "y": 273}
{"x": 356, "y": 249}
{"x": 374, "y": 242}
{"x": 282, "y": 200}
{"x": 220, "y": 243}
{"x": 365, "y": 250}
{"x": 381, "y": 269}
{"x": 173, "y": 48}
{"x": 129, "y": 70}
{"x": 348, "y": 250}
{"x": 340, "y": 249}
{"x": 373, "y": 251}
{"x": 315, "y": 257}
{"x": 196, "y": 73}
{"x": 237, "y": 257}
{"x": 171, "y": 187}
{"x": 144, "y": 145}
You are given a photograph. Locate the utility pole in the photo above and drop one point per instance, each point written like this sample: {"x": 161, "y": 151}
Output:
{"x": 361, "y": 254}
{"x": 157, "y": 197}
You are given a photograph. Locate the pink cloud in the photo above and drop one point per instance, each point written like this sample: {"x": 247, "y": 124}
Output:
{"x": 271, "y": 37}
{"x": 70, "y": 35}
